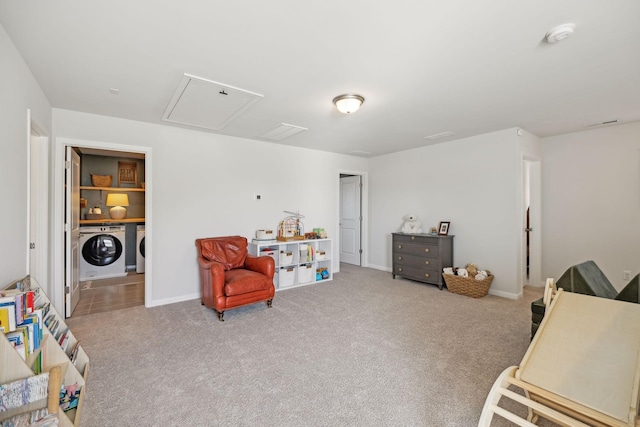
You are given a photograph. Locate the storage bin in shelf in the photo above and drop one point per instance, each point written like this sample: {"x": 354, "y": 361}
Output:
{"x": 321, "y": 255}
{"x": 286, "y": 277}
{"x": 306, "y": 273}
{"x": 273, "y": 253}
{"x": 286, "y": 257}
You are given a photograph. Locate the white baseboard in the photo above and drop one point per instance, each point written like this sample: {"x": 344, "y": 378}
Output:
{"x": 503, "y": 294}
{"x": 180, "y": 298}
{"x": 378, "y": 267}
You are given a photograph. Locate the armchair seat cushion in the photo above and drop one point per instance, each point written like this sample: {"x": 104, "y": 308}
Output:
{"x": 241, "y": 281}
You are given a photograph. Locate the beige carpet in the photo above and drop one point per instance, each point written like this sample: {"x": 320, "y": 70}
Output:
{"x": 361, "y": 350}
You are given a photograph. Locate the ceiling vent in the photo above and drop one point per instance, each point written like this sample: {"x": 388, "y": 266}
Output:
{"x": 439, "y": 135}
{"x": 609, "y": 122}
{"x": 207, "y": 104}
{"x": 282, "y": 132}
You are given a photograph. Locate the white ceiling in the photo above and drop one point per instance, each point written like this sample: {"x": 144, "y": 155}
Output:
{"x": 424, "y": 67}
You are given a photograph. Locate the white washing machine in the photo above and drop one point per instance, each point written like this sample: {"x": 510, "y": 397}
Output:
{"x": 102, "y": 252}
{"x": 140, "y": 249}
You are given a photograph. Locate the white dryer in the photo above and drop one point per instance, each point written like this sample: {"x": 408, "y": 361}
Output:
{"x": 102, "y": 252}
{"x": 140, "y": 249}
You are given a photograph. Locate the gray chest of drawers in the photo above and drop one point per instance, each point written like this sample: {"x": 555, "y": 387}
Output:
{"x": 422, "y": 257}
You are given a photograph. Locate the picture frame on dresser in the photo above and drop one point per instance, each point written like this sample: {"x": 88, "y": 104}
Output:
{"x": 443, "y": 228}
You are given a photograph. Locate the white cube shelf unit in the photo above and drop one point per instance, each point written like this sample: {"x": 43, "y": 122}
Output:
{"x": 298, "y": 262}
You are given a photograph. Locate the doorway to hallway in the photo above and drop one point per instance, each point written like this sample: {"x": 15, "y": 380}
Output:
{"x": 351, "y": 219}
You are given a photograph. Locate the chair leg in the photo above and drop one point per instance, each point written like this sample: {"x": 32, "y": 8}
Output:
{"x": 269, "y": 302}
{"x": 220, "y": 315}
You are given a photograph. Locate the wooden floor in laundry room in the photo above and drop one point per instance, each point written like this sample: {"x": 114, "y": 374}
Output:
{"x": 98, "y": 296}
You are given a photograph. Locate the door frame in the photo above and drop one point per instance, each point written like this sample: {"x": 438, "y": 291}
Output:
{"x": 364, "y": 210}
{"x": 531, "y": 171}
{"x": 58, "y": 218}
{"x": 38, "y": 215}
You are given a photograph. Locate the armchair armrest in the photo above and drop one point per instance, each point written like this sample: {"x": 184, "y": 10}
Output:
{"x": 212, "y": 280}
{"x": 261, "y": 264}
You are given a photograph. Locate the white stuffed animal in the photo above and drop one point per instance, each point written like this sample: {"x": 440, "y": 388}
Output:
{"x": 462, "y": 272}
{"x": 411, "y": 225}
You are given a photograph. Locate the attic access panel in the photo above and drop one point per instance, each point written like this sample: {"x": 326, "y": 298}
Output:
{"x": 207, "y": 104}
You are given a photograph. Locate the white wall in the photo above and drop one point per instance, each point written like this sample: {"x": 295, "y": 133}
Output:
{"x": 203, "y": 185}
{"x": 474, "y": 182}
{"x": 20, "y": 92}
{"x": 591, "y": 201}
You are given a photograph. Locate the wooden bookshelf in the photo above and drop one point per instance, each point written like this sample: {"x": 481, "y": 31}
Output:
{"x": 13, "y": 367}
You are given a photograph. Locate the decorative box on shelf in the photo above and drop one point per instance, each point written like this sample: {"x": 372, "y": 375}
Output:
{"x": 94, "y": 216}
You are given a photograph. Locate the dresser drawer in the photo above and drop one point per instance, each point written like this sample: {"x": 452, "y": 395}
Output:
{"x": 432, "y": 251}
{"x": 416, "y": 261}
{"x": 416, "y": 273}
{"x": 416, "y": 238}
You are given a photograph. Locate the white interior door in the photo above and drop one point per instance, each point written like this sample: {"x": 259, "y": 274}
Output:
{"x": 350, "y": 219}
{"x": 72, "y": 228}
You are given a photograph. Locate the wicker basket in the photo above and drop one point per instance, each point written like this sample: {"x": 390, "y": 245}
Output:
{"x": 467, "y": 286}
{"x": 101, "y": 180}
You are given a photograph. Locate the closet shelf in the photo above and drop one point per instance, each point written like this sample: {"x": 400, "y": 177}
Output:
{"x": 124, "y": 189}
{"x": 111, "y": 221}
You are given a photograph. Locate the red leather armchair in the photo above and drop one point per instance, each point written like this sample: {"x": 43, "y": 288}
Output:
{"x": 230, "y": 277}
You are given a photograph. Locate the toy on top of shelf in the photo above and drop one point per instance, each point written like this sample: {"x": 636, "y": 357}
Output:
{"x": 291, "y": 228}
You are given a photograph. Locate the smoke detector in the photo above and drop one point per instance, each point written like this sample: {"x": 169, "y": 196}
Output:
{"x": 559, "y": 33}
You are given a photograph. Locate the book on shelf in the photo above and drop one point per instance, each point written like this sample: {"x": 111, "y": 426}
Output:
{"x": 69, "y": 396}
{"x": 7, "y": 318}
{"x": 22, "y": 323}
{"x": 74, "y": 353}
{"x": 17, "y": 339}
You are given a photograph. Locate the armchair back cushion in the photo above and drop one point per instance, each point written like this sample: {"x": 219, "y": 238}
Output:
{"x": 230, "y": 251}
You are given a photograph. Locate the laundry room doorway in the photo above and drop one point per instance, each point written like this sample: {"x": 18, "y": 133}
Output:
{"x": 110, "y": 200}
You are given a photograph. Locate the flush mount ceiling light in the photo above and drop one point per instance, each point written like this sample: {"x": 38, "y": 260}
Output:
{"x": 348, "y": 104}
{"x": 559, "y": 33}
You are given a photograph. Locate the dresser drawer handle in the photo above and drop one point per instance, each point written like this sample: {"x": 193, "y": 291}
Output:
{"x": 426, "y": 274}
{"x": 399, "y": 246}
{"x": 413, "y": 238}
{"x": 399, "y": 258}
{"x": 426, "y": 262}
{"x": 400, "y": 269}
{"x": 426, "y": 249}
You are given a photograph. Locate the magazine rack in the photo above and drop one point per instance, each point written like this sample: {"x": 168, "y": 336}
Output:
{"x": 582, "y": 368}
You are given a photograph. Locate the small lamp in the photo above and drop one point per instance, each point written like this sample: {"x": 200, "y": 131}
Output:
{"x": 117, "y": 200}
